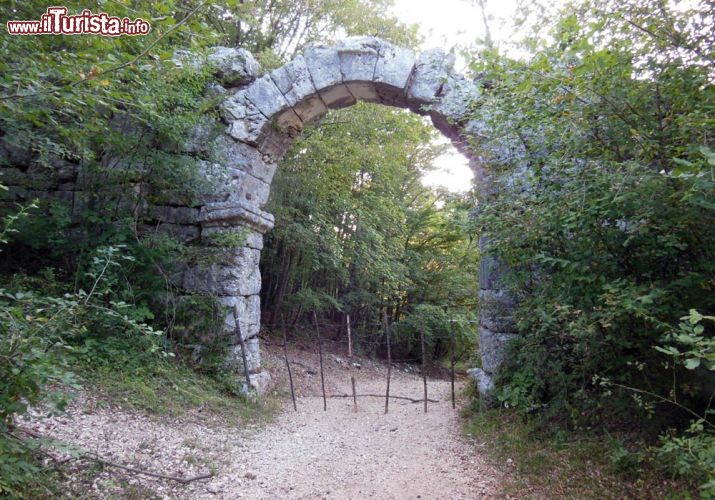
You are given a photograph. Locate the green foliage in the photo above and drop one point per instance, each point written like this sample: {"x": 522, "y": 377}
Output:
{"x": 602, "y": 142}
{"x": 312, "y": 300}
{"x": 436, "y": 323}
{"x": 276, "y": 31}
{"x": 70, "y": 86}
{"x": 556, "y": 463}
{"x": 42, "y": 334}
{"x": 691, "y": 455}
{"x": 696, "y": 349}
{"x": 10, "y": 220}
{"x": 357, "y": 232}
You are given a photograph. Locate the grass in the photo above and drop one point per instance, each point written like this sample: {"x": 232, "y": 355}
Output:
{"x": 555, "y": 463}
{"x": 170, "y": 388}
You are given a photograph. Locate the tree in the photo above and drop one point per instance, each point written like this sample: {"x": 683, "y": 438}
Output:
{"x": 355, "y": 229}
{"x": 278, "y": 30}
{"x": 603, "y": 210}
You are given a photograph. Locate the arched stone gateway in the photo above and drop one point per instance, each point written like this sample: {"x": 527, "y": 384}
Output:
{"x": 261, "y": 116}
{"x": 262, "y": 119}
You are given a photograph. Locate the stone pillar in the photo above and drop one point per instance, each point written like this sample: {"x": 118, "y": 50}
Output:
{"x": 228, "y": 269}
{"x": 496, "y": 321}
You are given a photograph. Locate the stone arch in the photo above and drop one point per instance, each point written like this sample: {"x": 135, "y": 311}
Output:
{"x": 260, "y": 116}
{"x": 264, "y": 116}
{"x": 272, "y": 110}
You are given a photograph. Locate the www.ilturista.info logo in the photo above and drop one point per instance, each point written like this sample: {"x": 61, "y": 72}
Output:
{"x": 56, "y": 22}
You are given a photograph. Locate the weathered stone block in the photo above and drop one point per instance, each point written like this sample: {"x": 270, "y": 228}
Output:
{"x": 60, "y": 197}
{"x": 248, "y": 310}
{"x": 253, "y": 356}
{"x": 485, "y": 383}
{"x": 238, "y": 274}
{"x": 265, "y": 95}
{"x": 173, "y": 215}
{"x": 337, "y": 97}
{"x": 456, "y": 98}
{"x": 491, "y": 273}
{"x": 246, "y": 122}
{"x": 220, "y": 214}
{"x": 233, "y": 184}
{"x": 233, "y": 154}
{"x": 59, "y": 170}
{"x": 431, "y": 71}
{"x": 492, "y": 348}
{"x": 394, "y": 66}
{"x": 364, "y": 91}
{"x": 358, "y": 57}
{"x": 274, "y": 144}
{"x": 496, "y": 310}
{"x": 181, "y": 232}
{"x": 234, "y": 67}
{"x": 200, "y": 136}
{"x": 18, "y": 151}
{"x": 324, "y": 66}
{"x": 261, "y": 381}
{"x": 293, "y": 80}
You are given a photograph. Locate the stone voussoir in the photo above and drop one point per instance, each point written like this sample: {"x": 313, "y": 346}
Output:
{"x": 294, "y": 81}
{"x": 392, "y": 73}
{"x": 359, "y": 57}
{"x": 456, "y": 98}
{"x": 269, "y": 100}
{"x": 323, "y": 64}
{"x": 431, "y": 71}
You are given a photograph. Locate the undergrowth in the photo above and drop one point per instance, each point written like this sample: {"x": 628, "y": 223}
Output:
{"x": 551, "y": 462}
{"x": 170, "y": 388}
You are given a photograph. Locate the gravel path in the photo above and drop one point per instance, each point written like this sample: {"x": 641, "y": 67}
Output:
{"x": 311, "y": 453}
{"x": 367, "y": 454}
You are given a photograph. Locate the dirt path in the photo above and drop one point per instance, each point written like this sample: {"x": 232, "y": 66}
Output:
{"x": 311, "y": 453}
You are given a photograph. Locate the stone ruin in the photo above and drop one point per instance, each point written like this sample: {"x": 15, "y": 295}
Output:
{"x": 261, "y": 116}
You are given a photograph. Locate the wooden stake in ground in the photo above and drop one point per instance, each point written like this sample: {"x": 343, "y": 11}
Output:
{"x": 424, "y": 363}
{"x": 285, "y": 352}
{"x": 243, "y": 350}
{"x": 320, "y": 351}
{"x": 389, "y": 360}
{"x": 454, "y": 348}
{"x": 350, "y": 339}
{"x": 350, "y": 356}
